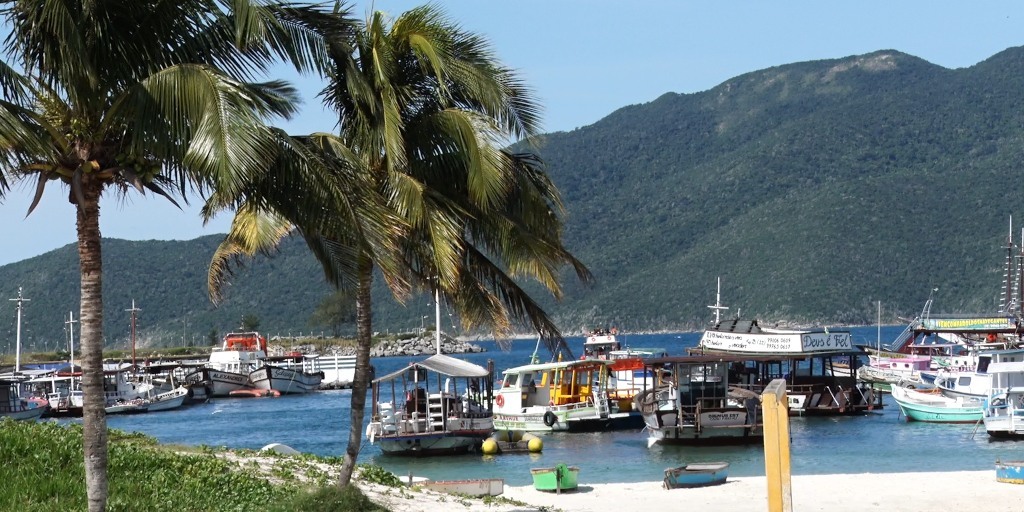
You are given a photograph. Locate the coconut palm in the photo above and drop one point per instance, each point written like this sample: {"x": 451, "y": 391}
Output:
{"x": 140, "y": 95}
{"x": 424, "y": 110}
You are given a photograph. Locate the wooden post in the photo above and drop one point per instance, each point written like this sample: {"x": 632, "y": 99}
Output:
{"x": 775, "y": 406}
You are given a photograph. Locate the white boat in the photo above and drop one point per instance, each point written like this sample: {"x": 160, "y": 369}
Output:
{"x": 474, "y": 487}
{"x": 168, "y": 400}
{"x": 339, "y": 371}
{"x": 14, "y": 407}
{"x": 1004, "y": 407}
{"x": 285, "y": 380}
{"x": 229, "y": 366}
{"x": 693, "y": 403}
{"x": 415, "y": 414}
{"x": 134, "y": 406}
{"x": 561, "y": 396}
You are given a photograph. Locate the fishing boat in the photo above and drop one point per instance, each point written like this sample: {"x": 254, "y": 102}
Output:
{"x": 133, "y": 406}
{"x": 167, "y": 400}
{"x": 701, "y": 474}
{"x": 934, "y": 407}
{"x": 693, "y": 403}
{"x": 561, "y": 396}
{"x": 286, "y": 380}
{"x": 14, "y": 407}
{"x": 440, "y": 405}
{"x": 559, "y": 478}
{"x": 229, "y": 366}
{"x": 1004, "y": 408}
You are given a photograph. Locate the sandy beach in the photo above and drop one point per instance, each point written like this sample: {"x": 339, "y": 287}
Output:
{"x": 963, "y": 491}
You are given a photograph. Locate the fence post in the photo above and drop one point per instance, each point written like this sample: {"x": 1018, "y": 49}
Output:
{"x": 775, "y": 408}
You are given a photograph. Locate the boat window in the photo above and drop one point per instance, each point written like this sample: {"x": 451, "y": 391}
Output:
{"x": 511, "y": 380}
{"x": 963, "y": 381}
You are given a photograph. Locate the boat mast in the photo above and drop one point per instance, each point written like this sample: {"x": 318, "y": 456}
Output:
{"x": 437, "y": 318}
{"x": 17, "y": 349}
{"x": 133, "y": 310}
{"x": 71, "y": 332}
{"x": 1008, "y": 295}
{"x": 879, "y": 339}
{"x": 718, "y": 307}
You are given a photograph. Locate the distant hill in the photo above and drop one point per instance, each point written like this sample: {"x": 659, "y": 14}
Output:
{"x": 813, "y": 189}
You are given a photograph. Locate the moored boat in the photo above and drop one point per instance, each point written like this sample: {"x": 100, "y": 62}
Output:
{"x": 694, "y": 404}
{"x": 1004, "y": 408}
{"x": 287, "y": 381}
{"x": 133, "y": 406}
{"x": 701, "y": 474}
{"x": 14, "y": 407}
{"x": 438, "y": 406}
{"x": 559, "y": 478}
{"x": 229, "y": 366}
{"x": 561, "y": 396}
{"x": 934, "y": 407}
{"x": 168, "y": 400}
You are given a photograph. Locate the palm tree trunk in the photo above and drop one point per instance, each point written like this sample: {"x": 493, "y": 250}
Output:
{"x": 364, "y": 336}
{"x": 94, "y": 418}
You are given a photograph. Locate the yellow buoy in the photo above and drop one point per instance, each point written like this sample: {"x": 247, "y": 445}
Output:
{"x": 490, "y": 447}
{"x": 535, "y": 445}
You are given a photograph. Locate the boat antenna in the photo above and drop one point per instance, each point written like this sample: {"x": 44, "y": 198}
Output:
{"x": 17, "y": 349}
{"x": 437, "y": 319}
{"x": 71, "y": 332}
{"x": 718, "y": 307}
{"x": 533, "y": 358}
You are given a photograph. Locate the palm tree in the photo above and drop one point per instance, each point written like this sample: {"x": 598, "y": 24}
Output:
{"x": 423, "y": 110}
{"x": 144, "y": 95}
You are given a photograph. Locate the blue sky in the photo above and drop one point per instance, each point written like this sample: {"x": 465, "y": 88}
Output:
{"x": 584, "y": 60}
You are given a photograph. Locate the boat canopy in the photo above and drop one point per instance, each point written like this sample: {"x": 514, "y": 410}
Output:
{"x": 439, "y": 363}
{"x": 1006, "y": 367}
{"x": 542, "y": 367}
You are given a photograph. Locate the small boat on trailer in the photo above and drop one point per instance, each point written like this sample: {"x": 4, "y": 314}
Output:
{"x": 559, "y": 478}
{"x": 701, "y": 474}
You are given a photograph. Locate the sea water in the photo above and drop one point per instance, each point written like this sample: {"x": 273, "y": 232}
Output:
{"x": 881, "y": 441}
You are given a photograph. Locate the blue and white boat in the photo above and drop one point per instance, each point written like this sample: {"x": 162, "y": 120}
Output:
{"x": 1010, "y": 472}
{"x": 696, "y": 475}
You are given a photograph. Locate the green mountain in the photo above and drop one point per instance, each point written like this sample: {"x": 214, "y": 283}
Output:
{"x": 812, "y": 189}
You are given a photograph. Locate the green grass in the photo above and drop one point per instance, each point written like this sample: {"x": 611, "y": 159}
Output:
{"x": 43, "y": 470}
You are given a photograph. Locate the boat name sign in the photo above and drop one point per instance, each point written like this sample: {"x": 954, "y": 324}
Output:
{"x": 719, "y": 419}
{"x": 795, "y": 342}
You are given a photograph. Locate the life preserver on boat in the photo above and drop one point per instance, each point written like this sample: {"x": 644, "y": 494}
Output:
{"x": 499, "y": 400}
{"x": 550, "y": 418}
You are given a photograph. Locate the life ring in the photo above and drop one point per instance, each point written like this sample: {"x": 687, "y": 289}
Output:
{"x": 550, "y": 418}
{"x": 499, "y": 400}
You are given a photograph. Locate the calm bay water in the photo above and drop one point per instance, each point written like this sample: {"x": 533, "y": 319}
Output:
{"x": 318, "y": 423}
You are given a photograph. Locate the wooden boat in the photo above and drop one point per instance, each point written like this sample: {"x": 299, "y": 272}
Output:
{"x": 437, "y": 406}
{"x": 474, "y": 487}
{"x": 561, "y": 396}
{"x": 168, "y": 400}
{"x": 934, "y": 407}
{"x": 559, "y": 478}
{"x": 693, "y": 403}
{"x": 1010, "y": 472}
{"x": 700, "y": 474}
{"x": 817, "y": 364}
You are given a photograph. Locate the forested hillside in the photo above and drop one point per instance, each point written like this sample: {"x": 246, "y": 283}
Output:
{"x": 812, "y": 189}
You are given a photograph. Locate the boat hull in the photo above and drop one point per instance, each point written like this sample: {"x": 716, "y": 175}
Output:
{"x": 169, "y": 400}
{"x": 23, "y": 414}
{"x": 937, "y": 411}
{"x": 430, "y": 444}
{"x": 285, "y": 380}
{"x": 221, "y": 384}
{"x": 557, "y": 479}
{"x": 580, "y": 419}
{"x": 696, "y": 475}
{"x": 477, "y": 487}
{"x": 1010, "y": 472}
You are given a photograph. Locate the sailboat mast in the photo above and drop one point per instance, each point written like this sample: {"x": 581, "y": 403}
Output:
{"x": 133, "y": 310}
{"x": 878, "y": 341}
{"x": 437, "y": 318}
{"x": 1008, "y": 296}
{"x": 17, "y": 349}
{"x": 718, "y": 307}
{"x": 71, "y": 341}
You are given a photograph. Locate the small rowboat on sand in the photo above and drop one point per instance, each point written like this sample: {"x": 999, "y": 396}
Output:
{"x": 696, "y": 475}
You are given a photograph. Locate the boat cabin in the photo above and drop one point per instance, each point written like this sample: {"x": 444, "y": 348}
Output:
{"x": 555, "y": 384}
